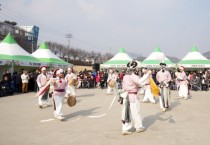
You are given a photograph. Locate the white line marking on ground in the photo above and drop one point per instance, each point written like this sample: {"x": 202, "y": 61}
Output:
{"x": 98, "y": 116}
{"x": 47, "y": 120}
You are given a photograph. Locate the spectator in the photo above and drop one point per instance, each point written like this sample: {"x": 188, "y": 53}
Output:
{"x": 5, "y": 86}
{"x": 25, "y": 80}
{"x": 98, "y": 79}
{"x": 36, "y": 88}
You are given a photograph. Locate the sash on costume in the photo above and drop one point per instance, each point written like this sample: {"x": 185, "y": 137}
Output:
{"x": 43, "y": 90}
{"x": 126, "y": 113}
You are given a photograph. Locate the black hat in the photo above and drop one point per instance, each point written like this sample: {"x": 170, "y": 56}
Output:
{"x": 162, "y": 64}
{"x": 132, "y": 64}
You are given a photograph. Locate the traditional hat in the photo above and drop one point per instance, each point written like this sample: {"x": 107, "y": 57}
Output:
{"x": 132, "y": 64}
{"x": 70, "y": 69}
{"x": 182, "y": 67}
{"x": 57, "y": 71}
{"x": 162, "y": 64}
{"x": 43, "y": 68}
{"x": 71, "y": 101}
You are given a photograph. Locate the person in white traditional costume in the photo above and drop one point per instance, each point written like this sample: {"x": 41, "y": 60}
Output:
{"x": 71, "y": 80}
{"x": 59, "y": 85}
{"x": 148, "y": 97}
{"x": 42, "y": 80}
{"x": 112, "y": 82}
{"x": 163, "y": 78}
{"x": 183, "y": 83}
{"x": 130, "y": 100}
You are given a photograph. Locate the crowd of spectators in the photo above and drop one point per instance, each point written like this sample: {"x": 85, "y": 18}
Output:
{"x": 25, "y": 81}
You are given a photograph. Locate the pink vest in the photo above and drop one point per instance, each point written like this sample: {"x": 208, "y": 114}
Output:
{"x": 163, "y": 76}
{"x": 59, "y": 87}
{"x": 41, "y": 80}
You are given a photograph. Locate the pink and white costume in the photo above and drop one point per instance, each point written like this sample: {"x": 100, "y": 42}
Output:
{"x": 147, "y": 92}
{"x": 112, "y": 76}
{"x": 131, "y": 85}
{"x": 59, "y": 85}
{"x": 183, "y": 85}
{"x": 70, "y": 89}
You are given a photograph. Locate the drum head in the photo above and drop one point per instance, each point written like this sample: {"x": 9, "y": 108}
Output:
{"x": 112, "y": 84}
{"x": 71, "y": 101}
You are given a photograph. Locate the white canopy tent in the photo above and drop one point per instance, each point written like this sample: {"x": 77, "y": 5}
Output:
{"x": 50, "y": 59}
{"x": 194, "y": 59}
{"x": 119, "y": 61}
{"x": 155, "y": 58}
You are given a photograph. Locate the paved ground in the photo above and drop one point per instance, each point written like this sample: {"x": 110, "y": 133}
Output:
{"x": 23, "y": 123}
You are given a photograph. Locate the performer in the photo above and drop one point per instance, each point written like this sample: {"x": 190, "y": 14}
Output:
{"x": 163, "y": 78}
{"x": 112, "y": 82}
{"x": 42, "y": 79}
{"x": 59, "y": 85}
{"x": 183, "y": 83}
{"x": 130, "y": 100}
{"x": 147, "y": 93}
{"x": 71, "y": 79}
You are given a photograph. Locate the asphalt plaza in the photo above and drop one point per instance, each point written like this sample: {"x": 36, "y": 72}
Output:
{"x": 92, "y": 122}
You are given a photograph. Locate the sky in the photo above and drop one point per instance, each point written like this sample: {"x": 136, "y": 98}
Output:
{"x": 107, "y": 25}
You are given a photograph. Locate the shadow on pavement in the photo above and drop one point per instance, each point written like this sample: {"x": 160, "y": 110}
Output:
{"x": 82, "y": 113}
{"x": 86, "y": 95}
{"x": 150, "y": 120}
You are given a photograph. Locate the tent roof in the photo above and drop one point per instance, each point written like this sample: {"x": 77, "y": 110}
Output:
{"x": 45, "y": 55}
{"x": 10, "y": 50}
{"x": 9, "y": 39}
{"x": 194, "y": 57}
{"x": 156, "y": 57}
{"x": 120, "y": 58}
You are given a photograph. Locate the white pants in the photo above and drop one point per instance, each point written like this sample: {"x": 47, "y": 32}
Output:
{"x": 183, "y": 90}
{"x": 71, "y": 90}
{"x": 114, "y": 89}
{"x": 164, "y": 98}
{"x": 148, "y": 95}
{"x": 135, "y": 117}
{"x": 40, "y": 98}
{"x": 58, "y": 105}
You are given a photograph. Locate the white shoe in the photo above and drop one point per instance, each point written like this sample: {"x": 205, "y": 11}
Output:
{"x": 60, "y": 117}
{"x": 163, "y": 109}
{"x": 143, "y": 101}
{"x": 185, "y": 98}
{"x": 141, "y": 129}
{"x": 126, "y": 132}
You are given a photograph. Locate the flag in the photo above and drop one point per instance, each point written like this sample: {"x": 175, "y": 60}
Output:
{"x": 154, "y": 88}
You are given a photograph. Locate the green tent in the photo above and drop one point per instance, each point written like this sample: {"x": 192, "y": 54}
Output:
{"x": 120, "y": 60}
{"x": 50, "y": 59}
{"x": 11, "y": 54}
{"x": 194, "y": 59}
{"x": 155, "y": 58}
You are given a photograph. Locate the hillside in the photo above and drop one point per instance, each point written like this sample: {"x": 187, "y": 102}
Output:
{"x": 207, "y": 54}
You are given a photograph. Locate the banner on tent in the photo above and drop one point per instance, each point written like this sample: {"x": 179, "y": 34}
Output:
{"x": 156, "y": 65}
{"x": 113, "y": 65}
{"x": 54, "y": 65}
{"x": 195, "y": 65}
{"x": 32, "y": 64}
{"x": 5, "y": 62}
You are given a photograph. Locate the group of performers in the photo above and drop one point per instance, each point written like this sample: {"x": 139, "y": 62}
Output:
{"x": 58, "y": 86}
{"x": 64, "y": 86}
{"x": 132, "y": 83}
